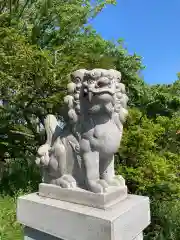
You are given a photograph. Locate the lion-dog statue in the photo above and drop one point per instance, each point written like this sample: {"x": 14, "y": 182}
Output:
{"x": 82, "y": 153}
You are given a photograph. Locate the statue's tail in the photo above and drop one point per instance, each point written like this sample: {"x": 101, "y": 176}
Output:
{"x": 51, "y": 125}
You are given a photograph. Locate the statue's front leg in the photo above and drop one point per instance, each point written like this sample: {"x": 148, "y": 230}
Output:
{"x": 63, "y": 179}
{"x": 107, "y": 172}
{"x": 60, "y": 155}
{"x": 91, "y": 163}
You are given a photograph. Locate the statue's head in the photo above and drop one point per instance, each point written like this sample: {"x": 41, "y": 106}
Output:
{"x": 95, "y": 91}
{"x": 99, "y": 88}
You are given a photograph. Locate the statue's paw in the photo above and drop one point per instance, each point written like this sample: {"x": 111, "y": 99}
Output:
{"x": 70, "y": 180}
{"x": 66, "y": 181}
{"x": 103, "y": 183}
{"x": 97, "y": 186}
{"x": 44, "y": 160}
{"x": 116, "y": 181}
{"x": 62, "y": 183}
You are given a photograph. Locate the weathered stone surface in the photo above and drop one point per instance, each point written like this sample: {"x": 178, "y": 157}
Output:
{"x": 82, "y": 154}
{"x": 84, "y": 197}
{"x": 69, "y": 221}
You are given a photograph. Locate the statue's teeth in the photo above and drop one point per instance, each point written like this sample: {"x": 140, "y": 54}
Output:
{"x": 90, "y": 96}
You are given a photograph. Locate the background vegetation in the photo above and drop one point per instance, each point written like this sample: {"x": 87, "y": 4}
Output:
{"x": 41, "y": 42}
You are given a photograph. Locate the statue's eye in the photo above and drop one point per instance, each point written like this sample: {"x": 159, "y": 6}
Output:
{"x": 77, "y": 80}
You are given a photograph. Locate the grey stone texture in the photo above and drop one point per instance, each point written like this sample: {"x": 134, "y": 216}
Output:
{"x": 81, "y": 196}
{"x": 82, "y": 154}
{"x": 64, "y": 220}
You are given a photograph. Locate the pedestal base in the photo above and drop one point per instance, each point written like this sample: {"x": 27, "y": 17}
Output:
{"x": 81, "y": 196}
{"x": 32, "y": 234}
{"x": 47, "y": 218}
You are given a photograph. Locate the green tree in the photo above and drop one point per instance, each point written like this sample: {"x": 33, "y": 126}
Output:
{"x": 42, "y": 42}
{"x": 150, "y": 155}
{"x": 163, "y": 99}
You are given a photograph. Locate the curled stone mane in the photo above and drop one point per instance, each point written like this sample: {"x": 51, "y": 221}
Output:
{"x": 72, "y": 100}
{"x": 76, "y": 89}
{"x": 121, "y": 98}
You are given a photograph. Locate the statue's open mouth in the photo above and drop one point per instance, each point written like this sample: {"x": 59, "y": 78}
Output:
{"x": 98, "y": 91}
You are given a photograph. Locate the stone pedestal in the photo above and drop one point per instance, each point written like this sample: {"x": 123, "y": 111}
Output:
{"x": 51, "y": 219}
{"x": 83, "y": 197}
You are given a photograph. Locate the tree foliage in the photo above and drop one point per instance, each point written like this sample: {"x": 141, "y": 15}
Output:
{"x": 150, "y": 154}
{"x": 41, "y": 43}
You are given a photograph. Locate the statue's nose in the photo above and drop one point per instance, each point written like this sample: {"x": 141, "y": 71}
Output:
{"x": 102, "y": 82}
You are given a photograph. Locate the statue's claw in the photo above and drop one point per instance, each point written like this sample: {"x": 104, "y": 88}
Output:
{"x": 61, "y": 183}
{"x": 116, "y": 181}
{"x": 98, "y": 186}
{"x": 70, "y": 180}
{"x": 66, "y": 181}
{"x": 103, "y": 183}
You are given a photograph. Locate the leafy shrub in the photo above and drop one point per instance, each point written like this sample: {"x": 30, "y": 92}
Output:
{"x": 9, "y": 228}
{"x": 165, "y": 221}
{"x": 20, "y": 175}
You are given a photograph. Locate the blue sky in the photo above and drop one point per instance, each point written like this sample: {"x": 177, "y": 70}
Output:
{"x": 151, "y": 29}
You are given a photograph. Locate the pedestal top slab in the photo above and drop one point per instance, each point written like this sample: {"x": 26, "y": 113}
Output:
{"x": 84, "y": 197}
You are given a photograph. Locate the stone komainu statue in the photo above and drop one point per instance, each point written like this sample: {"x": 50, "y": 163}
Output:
{"x": 82, "y": 154}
